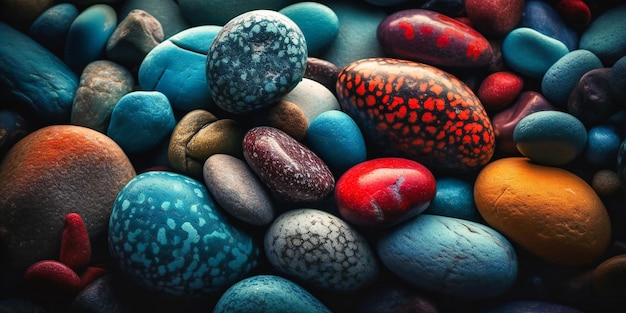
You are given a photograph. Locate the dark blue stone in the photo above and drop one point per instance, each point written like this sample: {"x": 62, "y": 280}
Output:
{"x": 602, "y": 145}
{"x": 452, "y": 8}
{"x": 618, "y": 79}
{"x": 51, "y": 27}
{"x": 542, "y": 17}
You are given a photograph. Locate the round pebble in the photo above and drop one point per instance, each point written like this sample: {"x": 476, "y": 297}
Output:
{"x": 450, "y": 256}
{"x": 604, "y": 36}
{"x": 454, "y": 198}
{"x": 550, "y": 137}
{"x": 544, "y": 18}
{"x": 499, "y": 90}
{"x": 258, "y": 57}
{"x": 592, "y": 100}
{"x": 51, "y": 27}
{"x": 137, "y": 34}
{"x": 319, "y": 24}
{"x": 168, "y": 235}
{"x": 321, "y": 250}
{"x": 312, "y": 106}
{"x": 530, "y": 52}
{"x": 494, "y": 17}
{"x": 602, "y": 145}
{"x": 606, "y": 182}
{"x": 550, "y": 212}
{"x": 286, "y": 116}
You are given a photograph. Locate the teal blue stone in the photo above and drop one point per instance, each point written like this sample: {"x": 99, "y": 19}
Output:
{"x": 268, "y": 293}
{"x": 530, "y": 52}
{"x": 454, "y": 198}
{"x": 167, "y": 233}
{"x": 88, "y": 35}
{"x": 337, "y": 140}
{"x": 602, "y": 145}
{"x": 605, "y": 35}
{"x": 550, "y": 137}
{"x": 561, "y": 78}
{"x": 543, "y": 17}
{"x": 176, "y": 67}
{"x": 51, "y": 27}
{"x": 450, "y": 256}
{"x": 140, "y": 120}
{"x": 34, "y": 79}
{"x": 318, "y": 23}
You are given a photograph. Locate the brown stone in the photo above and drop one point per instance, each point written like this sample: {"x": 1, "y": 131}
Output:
{"x": 288, "y": 117}
{"x": 134, "y": 37}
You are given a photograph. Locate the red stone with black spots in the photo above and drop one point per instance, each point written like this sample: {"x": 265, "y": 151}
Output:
{"x": 419, "y": 112}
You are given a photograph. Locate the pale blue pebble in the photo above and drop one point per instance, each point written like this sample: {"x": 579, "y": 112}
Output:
{"x": 88, "y": 35}
{"x": 318, "y": 23}
{"x": 530, "y": 52}
{"x": 561, "y": 78}
{"x": 454, "y": 198}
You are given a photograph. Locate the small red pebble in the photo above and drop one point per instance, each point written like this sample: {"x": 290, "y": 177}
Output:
{"x": 575, "y": 13}
{"x": 75, "y": 244}
{"x": 499, "y": 90}
{"x": 51, "y": 280}
{"x": 384, "y": 191}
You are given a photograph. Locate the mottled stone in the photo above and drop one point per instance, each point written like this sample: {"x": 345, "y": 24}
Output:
{"x": 134, "y": 37}
{"x": 102, "y": 84}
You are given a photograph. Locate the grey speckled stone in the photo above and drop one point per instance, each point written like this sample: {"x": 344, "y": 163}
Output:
{"x": 134, "y": 37}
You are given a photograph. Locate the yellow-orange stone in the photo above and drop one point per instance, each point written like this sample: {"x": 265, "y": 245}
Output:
{"x": 550, "y": 212}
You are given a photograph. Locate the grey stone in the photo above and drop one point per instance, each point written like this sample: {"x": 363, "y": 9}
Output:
{"x": 134, "y": 37}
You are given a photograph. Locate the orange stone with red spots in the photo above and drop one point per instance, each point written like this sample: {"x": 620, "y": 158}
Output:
{"x": 417, "y": 111}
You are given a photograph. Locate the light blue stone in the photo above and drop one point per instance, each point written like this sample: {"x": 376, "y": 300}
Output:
{"x": 450, "y": 256}
{"x": 561, "y": 78}
{"x": 140, "y": 120}
{"x": 542, "y": 17}
{"x": 176, "y": 67}
{"x": 88, "y": 36}
{"x": 318, "y": 23}
{"x": 336, "y": 139}
{"x": 51, "y": 27}
{"x": 530, "y": 52}
{"x": 454, "y": 198}
{"x": 602, "y": 146}
{"x": 605, "y": 35}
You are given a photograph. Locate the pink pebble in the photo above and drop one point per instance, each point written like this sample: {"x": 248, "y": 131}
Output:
{"x": 494, "y": 17}
{"x": 498, "y": 90}
{"x": 575, "y": 13}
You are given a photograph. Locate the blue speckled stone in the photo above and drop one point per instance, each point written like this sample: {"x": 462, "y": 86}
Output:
{"x": 530, "y": 52}
{"x": 550, "y": 137}
{"x": 542, "y": 17}
{"x": 51, "y": 27}
{"x": 318, "y": 23}
{"x": 605, "y": 35}
{"x": 618, "y": 78}
{"x": 337, "y": 139}
{"x": 88, "y": 36}
{"x": 450, "y": 256}
{"x": 321, "y": 250}
{"x": 454, "y": 198}
{"x": 176, "y": 68}
{"x": 561, "y": 78}
{"x": 140, "y": 120}
{"x": 258, "y": 57}
{"x": 602, "y": 145}
{"x": 168, "y": 235}
{"x": 268, "y": 293}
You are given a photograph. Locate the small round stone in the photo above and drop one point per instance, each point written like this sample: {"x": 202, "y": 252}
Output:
{"x": 602, "y": 145}
{"x": 499, "y": 90}
{"x": 312, "y": 98}
{"x": 606, "y": 182}
{"x": 288, "y": 117}
{"x": 323, "y": 72}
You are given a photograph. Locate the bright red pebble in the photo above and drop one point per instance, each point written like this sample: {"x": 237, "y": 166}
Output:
{"x": 50, "y": 280}
{"x": 75, "y": 245}
{"x": 499, "y": 90}
{"x": 384, "y": 191}
{"x": 575, "y": 13}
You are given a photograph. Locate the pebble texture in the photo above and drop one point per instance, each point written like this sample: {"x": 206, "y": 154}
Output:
{"x": 544, "y": 18}
{"x": 530, "y": 52}
{"x": 321, "y": 250}
{"x": 167, "y": 12}
{"x": 604, "y": 36}
{"x": 137, "y": 34}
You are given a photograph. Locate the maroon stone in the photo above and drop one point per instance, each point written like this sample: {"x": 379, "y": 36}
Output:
{"x": 51, "y": 281}
{"x": 494, "y": 17}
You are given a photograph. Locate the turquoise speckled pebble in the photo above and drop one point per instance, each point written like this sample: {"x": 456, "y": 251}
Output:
{"x": 530, "y": 52}
{"x": 454, "y": 198}
{"x": 268, "y": 294}
{"x": 550, "y": 137}
{"x": 450, "y": 256}
{"x": 140, "y": 120}
{"x": 561, "y": 78}
{"x": 319, "y": 24}
{"x": 168, "y": 235}
{"x": 605, "y": 35}
{"x": 336, "y": 139}
{"x": 176, "y": 67}
{"x": 88, "y": 36}
{"x": 257, "y": 58}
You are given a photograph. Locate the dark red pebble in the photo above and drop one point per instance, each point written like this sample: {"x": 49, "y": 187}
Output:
{"x": 51, "y": 280}
{"x": 75, "y": 245}
{"x": 494, "y": 17}
{"x": 322, "y": 71}
{"x": 575, "y": 13}
{"x": 498, "y": 90}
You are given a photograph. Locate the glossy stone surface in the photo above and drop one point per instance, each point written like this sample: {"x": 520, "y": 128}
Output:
{"x": 312, "y": 106}
{"x": 499, "y": 90}
{"x": 75, "y": 249}
{"x": 322, "y": 71}
{"x": 544, "y": 18}
{"x": 319, "y": 24}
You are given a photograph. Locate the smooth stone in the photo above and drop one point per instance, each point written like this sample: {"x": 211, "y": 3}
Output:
{"x": 337, "y": 139}
{"x": 544, "y": 18}
{"x": 198, "y": 135}
{"x": 22, "y": 13}
{"x": 167, "y": 12}
{"x": 609, "y": 277}
{"x": 592, "y": 100}
{"x": 167, "y": 233}
{"x": 550, "y": 137}
{"x": 433, "y": 38}
{"x": 47, "y": 96}
{"x": 494, "y": 17}
{"x": 417, "y": 111}
{"x": 137, "y": 34}
{"x": 321, "y": 250}
{"x": 549, "y": 212}
{"x": 450, "y": 256}
{"x": 318, "y": 23}
{"x": 176, "y": 68}
{"x": 602, "y": 145}
{"x": 102, "y": 84}
{"x": 575, "y": 13}
{"x": 606, "y": 182}
{"x": 237, "y": 190}
{"x": 454, "y": 197}
{"x": 289, "y": 169}
{"x": 13, "y": 127}
{"x": 322, "y": 71}
{"x": 88, "y": 35}
{"x": 395, "y": 298}
{"x": 604, "y": 36}
{"x": 257, "y": 58}
{"x": 199, "y": 12}
{"x": 288, "y": 117}
{"x": 499, "y": 90}
{"x": 561, "y": 78}
{"x": 525, "y": 306}
{"x": 312, "y": 98}
{"x": 268, "y": 293}
{"x": 504, "y": 122}
{"x": 48, "y": 174}
{"x": 618, "y": 78}
{"x": 51, "y": 27}
{"x": 530, "y": 52}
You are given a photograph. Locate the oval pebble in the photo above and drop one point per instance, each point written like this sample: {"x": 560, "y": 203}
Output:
{"x": 499, "y": 90}
{"x": 268, "y": 293}
{"x": 50, "y": 279}
{"x": 312, "y": 98}
{"x": 454, "y": 197}
{"x": 530, "y": 52}
{"x": 450, "y": 256}
{"x": 605, "y": 35}
{"x": 286, "y": 116}
{"x": 494, "y": 17}
{"x": 51, "y": 27}
{"x": 576, "y": 13}
{"x": 255, "y": 59}
{"x": 321, "y": 250}
{"x": 602, "y": 145}
{"x": 550, "y": 137}
{"x": 168, "y": 235}
{"x": 319, "y": 24}
{"x": 550, "y": 212}
{"x": 544, "y": 18}
{"x": 288, "y": 168}
{"x": 592, "y": 100}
